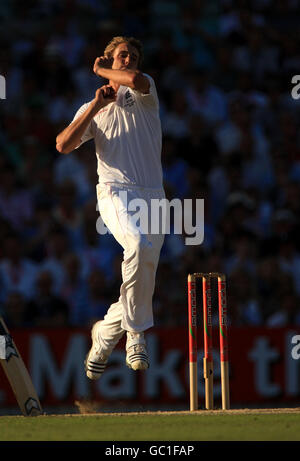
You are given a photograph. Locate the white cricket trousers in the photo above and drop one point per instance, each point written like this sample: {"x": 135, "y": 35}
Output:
{"x": 119, "y": 207}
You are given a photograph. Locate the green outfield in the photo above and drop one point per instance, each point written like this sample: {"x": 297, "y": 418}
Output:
{"x": 232, "y": 425}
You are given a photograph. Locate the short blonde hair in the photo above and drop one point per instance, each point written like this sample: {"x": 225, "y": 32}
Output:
{"x": 116, "y": 41}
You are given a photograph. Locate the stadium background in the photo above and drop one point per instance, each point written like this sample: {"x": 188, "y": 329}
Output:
{"x": 223, "y": 72}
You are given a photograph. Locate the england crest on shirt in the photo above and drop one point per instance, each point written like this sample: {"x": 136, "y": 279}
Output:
{"x": 129, "y": 100}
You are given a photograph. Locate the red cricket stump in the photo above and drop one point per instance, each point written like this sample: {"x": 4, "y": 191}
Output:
{"x": 223, "y": 341}
{"x": 208, "y": 344}
{"x": 192, "y": 305}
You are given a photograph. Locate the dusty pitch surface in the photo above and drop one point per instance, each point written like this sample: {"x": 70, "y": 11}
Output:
{"x": 240, "y": 411}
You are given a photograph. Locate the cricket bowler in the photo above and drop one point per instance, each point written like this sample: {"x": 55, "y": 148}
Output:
{"x": 123, "y": 119}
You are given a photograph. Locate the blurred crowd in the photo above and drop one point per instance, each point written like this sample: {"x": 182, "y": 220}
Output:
{"x": 223, "y": 71}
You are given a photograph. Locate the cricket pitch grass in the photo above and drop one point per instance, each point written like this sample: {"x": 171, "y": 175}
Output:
{"x": 231, "y": 425}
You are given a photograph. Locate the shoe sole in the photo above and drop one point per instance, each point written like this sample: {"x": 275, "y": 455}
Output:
{"x": 139, "y": 365}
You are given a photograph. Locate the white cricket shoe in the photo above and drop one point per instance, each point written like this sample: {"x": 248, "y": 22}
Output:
{"x": 136, "y": 351}
{"x": 96, "y": 360}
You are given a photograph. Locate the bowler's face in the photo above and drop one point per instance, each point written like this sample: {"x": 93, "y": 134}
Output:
{"x": 125, "y": 57}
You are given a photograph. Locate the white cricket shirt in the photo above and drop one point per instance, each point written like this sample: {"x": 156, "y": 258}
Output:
{"x": 127, "y": 135}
